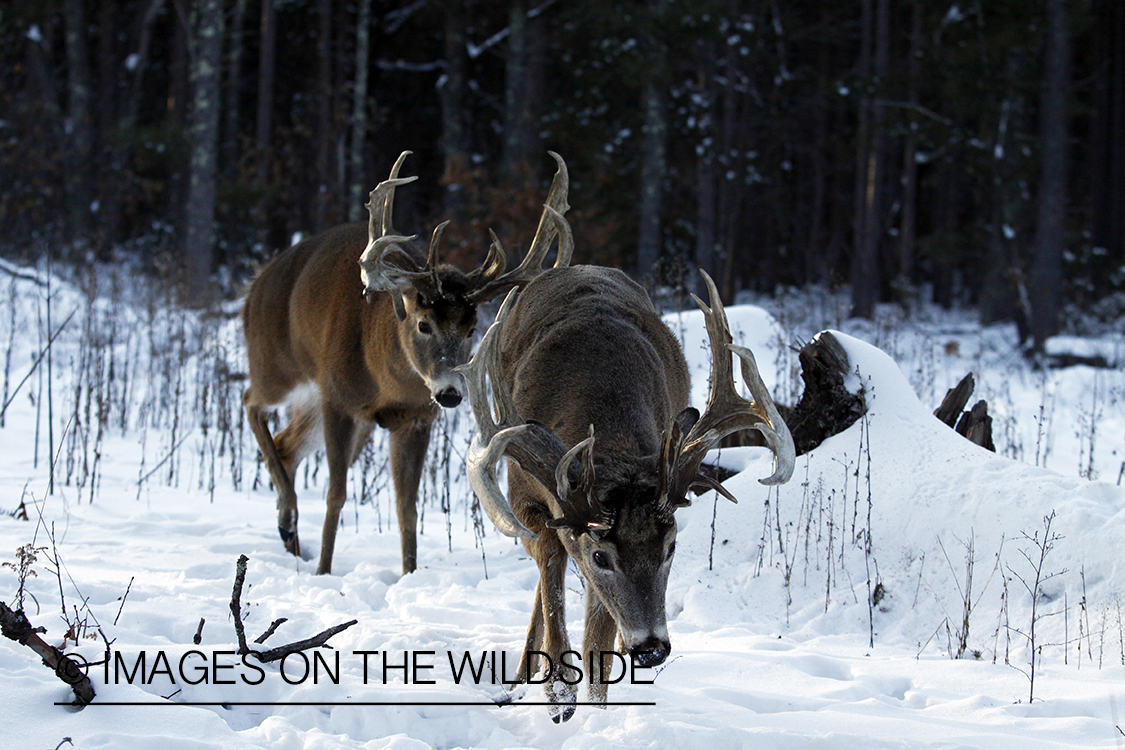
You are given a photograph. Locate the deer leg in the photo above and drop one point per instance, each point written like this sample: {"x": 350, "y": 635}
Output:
{"x": 552, "y": 578}
{"x": 548, "y": 621}
{"x": 339, "y": 434}
{"x": 598, "y": 637}
{"x": 529, "y": 663}
{"x": 408, "y": 446}
{"x": 282, "y": 480}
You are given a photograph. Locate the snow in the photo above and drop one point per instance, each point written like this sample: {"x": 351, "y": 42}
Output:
{"x": 773, "y": 642}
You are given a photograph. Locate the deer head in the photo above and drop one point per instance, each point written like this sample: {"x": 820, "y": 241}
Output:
{"x": 436, "y": 303}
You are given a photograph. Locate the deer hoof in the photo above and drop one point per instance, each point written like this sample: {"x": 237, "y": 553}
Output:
{"x": 562, "y": 712}
{"x": 289, "y": 537}
{"x": 562, "y": 698}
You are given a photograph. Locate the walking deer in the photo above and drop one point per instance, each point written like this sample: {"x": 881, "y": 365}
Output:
{"x": 591, "y": 390}
{"x": 351, "y": 329}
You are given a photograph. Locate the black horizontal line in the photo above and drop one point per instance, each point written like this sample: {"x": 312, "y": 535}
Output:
{"x": 356, "y": 703}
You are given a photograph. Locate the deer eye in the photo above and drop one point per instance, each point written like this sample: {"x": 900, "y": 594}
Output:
{"x": 671, "y": 551}
{"x": 425, "y": 327}
{"x": 601, "y": 559}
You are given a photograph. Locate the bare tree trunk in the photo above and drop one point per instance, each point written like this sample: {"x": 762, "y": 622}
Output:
{"x": 1107, "y": 142}
{"x": 140, "y": 64}
{"x": 206, "y": 78}
{"x": 323, "y": 114}
{"x": 267, "y": 71}
{"x": 1045, "y": 279}
{"x": 179, "y": 94}
{"x": 109, "y": 187}
{"x": 178, "y": 87}
{"x": 997, "y": 297}
{"x": 730, "y": 190}
{"x": 231, "y": 108}
{"x": 356, "y": 176}
{"x": 905, "y": 282}
{"x": 654, "y": 166}
{"x": 451, "y": 89}
{"x": 79, "y": 125}
{"x": 869, "y": 170}
{"x": 516, "y": 113}
{"x": 706, "y": 195}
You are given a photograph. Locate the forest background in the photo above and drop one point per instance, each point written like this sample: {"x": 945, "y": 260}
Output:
{"x": 960, "y": 152}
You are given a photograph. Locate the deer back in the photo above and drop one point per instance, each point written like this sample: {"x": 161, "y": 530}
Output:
{"x": 584, "y": 345}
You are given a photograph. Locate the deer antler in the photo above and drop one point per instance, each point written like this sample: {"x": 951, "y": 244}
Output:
{"x": 379, "y": 272}
{"x": 726, "y": 412}
{"x": 490, "y": 279}
{"x": 532, "y": 445}
{"x": 581, "y": 512}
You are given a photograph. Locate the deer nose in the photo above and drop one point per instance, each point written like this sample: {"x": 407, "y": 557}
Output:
{"x": 651, "y": 652}
{"x": 448, "y": 397}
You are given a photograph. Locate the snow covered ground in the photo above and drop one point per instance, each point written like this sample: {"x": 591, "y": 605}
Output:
{"x": 774, "y": 642}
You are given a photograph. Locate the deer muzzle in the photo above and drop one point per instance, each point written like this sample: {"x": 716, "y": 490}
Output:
{"x": 651, "y": 652}
{"x": 448, "y": 397}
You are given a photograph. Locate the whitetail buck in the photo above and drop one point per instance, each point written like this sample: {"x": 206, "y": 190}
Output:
{"x": 344, "y": 365}
{"x": 583, "y": 368}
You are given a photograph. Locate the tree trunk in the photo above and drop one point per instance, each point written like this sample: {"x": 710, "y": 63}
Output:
{"x": 323, "y": 115}
{"x": 78, "y": 125}
{"x": 232, "y": 108}
{"x": 1107, "y": 142}
{"x": 451, "y": 90}
{"x": 206, "y": 78}
{"x": 865, "y": 247}
{"x": 515, "y": 91}
{"x": 1045, "y": 280}
{"x": 356, "y": 177}
{"x": 870, "y": 168}
{"x": 905, "y": 282}
{"x": 109, "y": 184}
{"x": 267, "y": 70}
{"x": 706, "y": 224}
{"x": 654, "y": 165}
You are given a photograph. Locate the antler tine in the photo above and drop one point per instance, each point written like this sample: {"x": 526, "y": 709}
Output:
{"x": 566, "y": 238}
{"x": 375, "y": 274}
{"x": 376, "y": 206}
{"x": 484, "y": 364}
{"x": 378, "y": 276}
{"x": 388, "y": 204}
{"x": 491, "y": 279}
{"x": 562, "y": 471}
{"x": 435, "y": 241}
{"x": 492, "y": 440}
{"x": 580, "y": 511}
{"x": 496, "y": 262}
{"x": 775, "y": 431}
{"x": 727, "y": 411}
{"x": 551, "y": 219}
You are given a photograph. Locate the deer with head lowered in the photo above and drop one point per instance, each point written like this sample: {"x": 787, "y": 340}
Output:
{"x": 352, "y": 329}
{"x": 591, "y": 390}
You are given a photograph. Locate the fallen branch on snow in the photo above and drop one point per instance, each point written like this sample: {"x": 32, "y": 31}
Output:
{"x": 273, "y": 654}
{"x": 14, "y": 625}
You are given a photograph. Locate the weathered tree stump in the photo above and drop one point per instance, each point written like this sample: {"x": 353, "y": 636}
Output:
{"x": 975, "y": 424}
{"x": 826, "y": 407}
{"x": 954, "y": 402}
